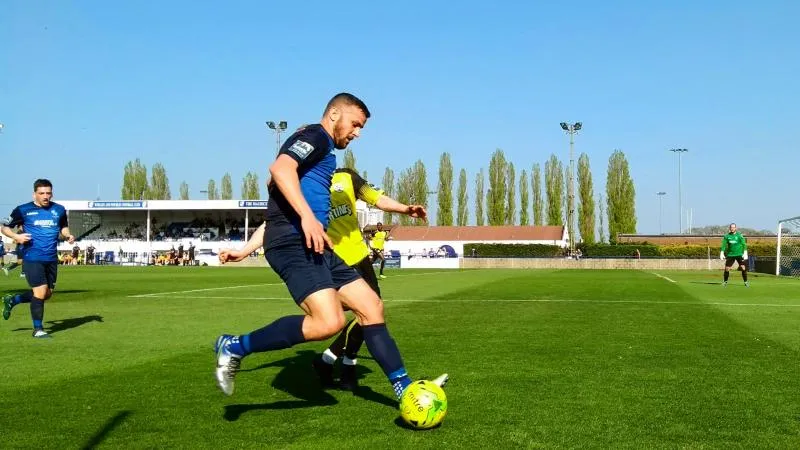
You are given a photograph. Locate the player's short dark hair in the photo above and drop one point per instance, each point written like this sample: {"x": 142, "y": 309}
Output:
{"x": 42, "y": 182}
{"x": 347, "y": 99}
{"x": 378, "y": 224}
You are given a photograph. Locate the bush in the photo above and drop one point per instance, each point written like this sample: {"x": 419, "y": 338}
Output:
{"x": 619, "y": 251}
{"x": 686, "y": 251}
{"x": 513, "y": 250}
{"x": 614, "y": 250}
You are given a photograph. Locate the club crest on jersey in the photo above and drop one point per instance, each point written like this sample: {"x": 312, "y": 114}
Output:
{"x": 54, "y": 213}
{"x": 301, "y": 149}
{"x": 338, "y": 187}
{"x": 339, "y": 211}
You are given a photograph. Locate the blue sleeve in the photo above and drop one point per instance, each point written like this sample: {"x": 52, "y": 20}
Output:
{"x": 16, "y": 218}
{"x": 62, "y": 221}
{"x": 308, "y": 146}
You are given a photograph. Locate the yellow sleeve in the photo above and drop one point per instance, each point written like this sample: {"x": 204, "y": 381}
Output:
{"x": 365, "y": 191}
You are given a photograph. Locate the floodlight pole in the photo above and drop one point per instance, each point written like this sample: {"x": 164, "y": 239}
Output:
{"x": 680, "y": 152}
{"x": 660, "y": 195}
{"x": 278, "y": 128}
{"x": 571, "y": 129}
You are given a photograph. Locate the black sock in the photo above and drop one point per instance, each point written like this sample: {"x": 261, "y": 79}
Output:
{"x": 383, "y": 348}
{"x": 744, "y": 275}
{"x": 383, "y": 263}
{"x": 337, "y": 347}
{"x": 355, "y": 337}
{"x": 725, "y": 277}
{"x": 37, "y": 312}
{"x": 25, "y": 297}
{"x": 13, "y": 266}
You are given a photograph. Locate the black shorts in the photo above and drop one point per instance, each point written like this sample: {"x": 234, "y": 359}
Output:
{"x": 40, "y": 273}
{"x": 729, "y": 261}
{"x": 367, "y": 271}
{"x": 377, "y": 253}
{"x": 306, "y": 272}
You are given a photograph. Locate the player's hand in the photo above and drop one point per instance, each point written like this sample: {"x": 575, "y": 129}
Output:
{"x": 316, "y": 238}
{"x": 744, "y": 255}
{"x": 22, "y": 238}
{"x": 721, "y": 255}
{"x": 229, "y": 255}
{"x": 417, "y": 212}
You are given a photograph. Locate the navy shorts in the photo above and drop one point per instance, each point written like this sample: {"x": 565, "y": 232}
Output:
{"x": 40, "y": 273}
{"x": 306, "y": 272}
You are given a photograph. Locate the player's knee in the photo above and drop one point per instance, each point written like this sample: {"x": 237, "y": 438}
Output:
{"x": 371, "y": 313}
{"x": 329, "y": 326}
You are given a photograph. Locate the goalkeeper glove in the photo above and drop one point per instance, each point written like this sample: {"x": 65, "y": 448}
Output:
{"x": 721, "y": 255}
{"x": 744, "y": 255}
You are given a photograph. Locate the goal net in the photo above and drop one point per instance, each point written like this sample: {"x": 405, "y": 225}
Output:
{"x": 788, "y": 248}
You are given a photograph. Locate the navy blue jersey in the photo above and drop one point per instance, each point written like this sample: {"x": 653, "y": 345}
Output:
{"x": 312, "y": 148}
{"x": 44, "y": 225}
{"x": 2, "y": 248}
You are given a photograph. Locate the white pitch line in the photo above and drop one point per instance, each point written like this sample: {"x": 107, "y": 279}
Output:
{"x": 426, "y": 273}
{"x": 161, "y": 294}
{"x": 535, "y": 300}
{"x": 663, "y": 277}
{"x": 522, "y": 300}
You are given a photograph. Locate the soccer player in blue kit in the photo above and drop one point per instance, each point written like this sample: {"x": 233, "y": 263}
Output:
{"x": 44, "y": 222}
{"x": 299, "y": 251}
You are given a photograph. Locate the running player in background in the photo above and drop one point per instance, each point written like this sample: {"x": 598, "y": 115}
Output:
{"x": 376, "y": 243}
{"x": 44, "y": 223}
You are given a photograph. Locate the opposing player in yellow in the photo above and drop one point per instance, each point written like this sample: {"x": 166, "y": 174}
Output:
{"x": 349, "y": 244}
{"x": 376, "y": 243}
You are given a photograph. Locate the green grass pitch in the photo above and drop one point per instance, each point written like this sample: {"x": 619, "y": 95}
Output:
{"x": 611, "y": 359}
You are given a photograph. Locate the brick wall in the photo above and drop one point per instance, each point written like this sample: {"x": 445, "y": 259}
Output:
{"x": 605, "y": 263}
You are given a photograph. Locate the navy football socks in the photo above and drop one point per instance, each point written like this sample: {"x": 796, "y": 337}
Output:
{"x": 385, "y": 351}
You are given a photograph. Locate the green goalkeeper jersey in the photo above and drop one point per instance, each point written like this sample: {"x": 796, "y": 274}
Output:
{"x": 733, "y": 245}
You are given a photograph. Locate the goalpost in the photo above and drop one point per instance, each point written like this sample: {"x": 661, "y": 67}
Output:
{"x": 787, "y": 261}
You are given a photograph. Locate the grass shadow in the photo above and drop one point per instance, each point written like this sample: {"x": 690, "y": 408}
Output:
{"x": 56, "y": 326}
{"x": 108, "y": 427}
{"x": 296, "y": 378}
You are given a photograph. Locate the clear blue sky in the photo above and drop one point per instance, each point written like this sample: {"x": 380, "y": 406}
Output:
{"x": 86, "y": 86}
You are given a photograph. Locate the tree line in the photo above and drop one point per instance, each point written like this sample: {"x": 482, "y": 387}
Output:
{"x": 136, "y": 185}
{"x": 538, "y": 197}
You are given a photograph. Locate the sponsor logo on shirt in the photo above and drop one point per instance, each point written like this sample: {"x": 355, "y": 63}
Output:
{"x": 301, "y": 149}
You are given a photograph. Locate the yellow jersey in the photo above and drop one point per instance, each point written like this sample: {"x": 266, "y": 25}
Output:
{"x": 346, "y": 187}
{"x": 378, "y": 239}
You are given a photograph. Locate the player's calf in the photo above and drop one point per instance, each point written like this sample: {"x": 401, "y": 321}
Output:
{"x": 369, "y": 309}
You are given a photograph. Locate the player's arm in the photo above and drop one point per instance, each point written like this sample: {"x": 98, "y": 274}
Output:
{"x": 256, "y": 241}
{"x": 389, "y": 204}
{"x": 722, "y": 248}
{"x": 62, "y": 223}
{"x": 744, "y": 247}
{"x": 284, "y": 174}
{"x": 14, "y": 221}
{"x": 375, "y": 197}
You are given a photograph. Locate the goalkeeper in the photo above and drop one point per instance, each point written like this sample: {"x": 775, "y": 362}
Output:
{"x": 734, "y": 248}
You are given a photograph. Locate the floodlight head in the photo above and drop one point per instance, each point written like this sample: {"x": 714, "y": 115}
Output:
{"x": 564, "y": 126}
{"x": 283, "y": 125}
{"x": 661, "y": 193}
{"x": 577, "y": 126}
{"x": 271, "y": 124}
{"x": 1, "y": 127}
